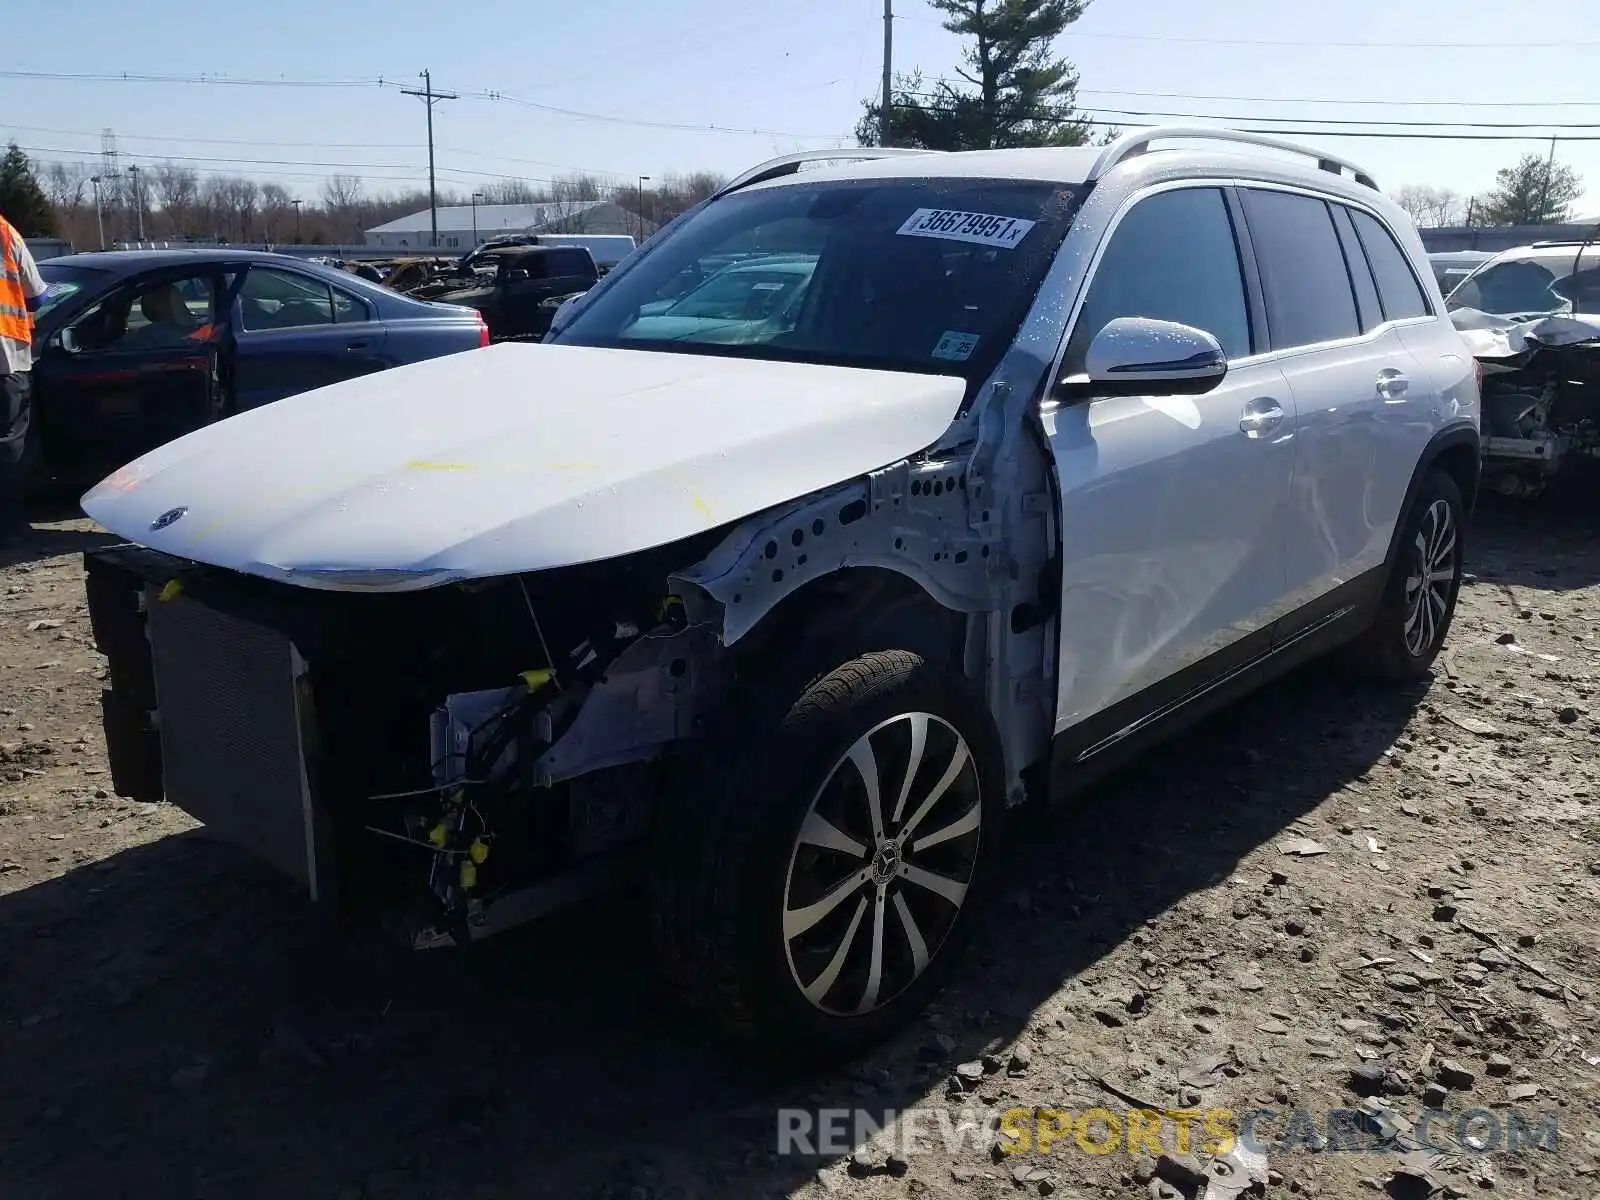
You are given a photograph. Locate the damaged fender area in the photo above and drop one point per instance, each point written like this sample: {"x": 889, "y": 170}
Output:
{"x": 938, "y": 522}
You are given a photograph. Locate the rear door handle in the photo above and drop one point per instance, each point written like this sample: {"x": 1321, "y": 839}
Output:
{"x": 1261, "y": 416}
{"x": 1392, "y": 384}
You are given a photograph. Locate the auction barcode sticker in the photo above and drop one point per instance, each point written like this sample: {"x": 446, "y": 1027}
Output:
{"x": 984, "y": 229}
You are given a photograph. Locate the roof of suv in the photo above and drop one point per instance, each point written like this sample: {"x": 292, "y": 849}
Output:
{"x": 1244, "y": 152}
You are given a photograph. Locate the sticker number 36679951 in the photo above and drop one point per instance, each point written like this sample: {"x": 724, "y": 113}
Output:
{"x": 985, "y": 229}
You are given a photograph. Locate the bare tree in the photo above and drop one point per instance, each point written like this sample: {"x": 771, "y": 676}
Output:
{"x": 1430, "y": 207}
{"x": 175, "y": 188}
{"x": 344, "y": 200}
{"x": 511, "y": 191}
{"x": 569, "y": 203}
{"x": 276, "y": 214}
{"x": 64, "y": 184}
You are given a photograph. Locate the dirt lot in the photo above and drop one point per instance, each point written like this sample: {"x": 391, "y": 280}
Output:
{"x": 175, "y": 1022}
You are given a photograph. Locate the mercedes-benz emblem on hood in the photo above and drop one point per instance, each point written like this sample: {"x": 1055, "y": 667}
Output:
{"x": 170, "y": 517}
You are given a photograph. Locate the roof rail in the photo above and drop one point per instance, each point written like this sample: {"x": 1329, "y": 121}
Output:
{"x": 788, "y": 164}
{"x": 1138, "y": 142}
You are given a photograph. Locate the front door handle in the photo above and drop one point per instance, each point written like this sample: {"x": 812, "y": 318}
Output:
{"x": 1392, "y": 384}
{"x": 1261, "y": 417}
{"x": 359, "y": 344}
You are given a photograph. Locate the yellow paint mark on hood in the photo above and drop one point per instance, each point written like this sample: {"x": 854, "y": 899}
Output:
{"x": 418, "y": 464}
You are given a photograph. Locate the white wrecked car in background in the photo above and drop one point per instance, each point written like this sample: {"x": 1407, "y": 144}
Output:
{"x": 1531, "y": 317}
{"x": 1039, "y": 458}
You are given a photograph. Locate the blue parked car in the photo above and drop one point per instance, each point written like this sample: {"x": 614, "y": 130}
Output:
{"x": 135, "y": 348}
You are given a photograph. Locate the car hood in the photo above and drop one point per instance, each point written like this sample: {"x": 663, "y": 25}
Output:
{"x": 518, "y": 457}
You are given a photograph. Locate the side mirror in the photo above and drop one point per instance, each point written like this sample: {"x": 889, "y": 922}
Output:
{"x": 67, "y": 341}
{"x": 1139, "y": 356}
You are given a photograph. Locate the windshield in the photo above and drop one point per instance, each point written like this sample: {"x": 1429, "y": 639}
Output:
{"x": 914, "y": 275}
{"x": 62, "y": 283}
{"x": 1528, "y": 285}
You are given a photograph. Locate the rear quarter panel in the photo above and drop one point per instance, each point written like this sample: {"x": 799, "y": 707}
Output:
{"x": 415, "y": 336}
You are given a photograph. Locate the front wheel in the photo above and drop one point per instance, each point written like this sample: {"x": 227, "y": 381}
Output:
{"x": 814, "y": 876}
{"x": 1419, "y": 597}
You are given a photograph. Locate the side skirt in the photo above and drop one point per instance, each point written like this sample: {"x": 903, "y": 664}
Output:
{"x": 1099, "y": 744}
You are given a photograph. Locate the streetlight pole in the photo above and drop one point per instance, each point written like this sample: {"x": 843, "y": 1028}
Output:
{"x": 138, "y": 199}
{"x": 476, "y": 196}
{"x": 643, "y": 179}
{"x": 297, "y": 204}
{"x": 99, "y": 213}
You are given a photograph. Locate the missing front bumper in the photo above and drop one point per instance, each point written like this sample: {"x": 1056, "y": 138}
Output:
{"x": 210, "y": 711}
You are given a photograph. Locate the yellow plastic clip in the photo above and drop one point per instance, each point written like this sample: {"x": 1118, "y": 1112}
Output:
{"x": 537, "y": 679}
{"x": 469, "y": 875}
{"x": 478, "y": 851}
{"x": 667, "y": 604}
{"x": 172, "y": 588}
{"x": 438, "y": 834}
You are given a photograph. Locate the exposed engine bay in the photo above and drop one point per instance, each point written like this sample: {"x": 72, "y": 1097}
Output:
{"x": 501, "y": 784}
{"x": 1541, "y": 395}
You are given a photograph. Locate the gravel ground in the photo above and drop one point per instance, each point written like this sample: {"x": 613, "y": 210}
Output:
{"x": 1330, "y": 897}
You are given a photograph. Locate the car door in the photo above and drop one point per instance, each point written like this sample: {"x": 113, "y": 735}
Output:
{"x": 293, "y": 332}
{"x": 1355, "y": 385}
{"x": 135, "y": 369}
{"x": 1172, "y": 553}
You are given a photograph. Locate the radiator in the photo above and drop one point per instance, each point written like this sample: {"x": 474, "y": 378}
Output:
{"x": 231, "y": 718}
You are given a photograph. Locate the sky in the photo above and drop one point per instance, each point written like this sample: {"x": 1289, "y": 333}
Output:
{"x": 625, "y": 89}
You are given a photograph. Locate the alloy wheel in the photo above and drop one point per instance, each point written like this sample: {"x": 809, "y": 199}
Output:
{"x": 1432, "y": 578}
{"x": 882, "y": 864}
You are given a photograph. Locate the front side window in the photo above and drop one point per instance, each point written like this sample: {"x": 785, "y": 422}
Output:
{"x": 1303, "y": 272}
{"x": 901, "y": 274}
{"x": 63, "y": 282}
{"x": 1172, "y": 258}
{"x": 161, "y": 315}
{"x": 272, "y": 299}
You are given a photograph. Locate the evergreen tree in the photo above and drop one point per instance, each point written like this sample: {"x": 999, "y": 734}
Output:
{"x": 1016, "y": 92}
{"x": 1534, "y": 192}
{"x": 22, "y": 200}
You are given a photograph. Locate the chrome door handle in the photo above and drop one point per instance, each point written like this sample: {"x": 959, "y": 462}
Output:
{"x": 1392, "y": 384}
{"x": 1261, "y": 417}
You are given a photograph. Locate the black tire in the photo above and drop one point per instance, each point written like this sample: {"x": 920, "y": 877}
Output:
{"x": 728, "y": 861}
{"x": 1393, "y": 648}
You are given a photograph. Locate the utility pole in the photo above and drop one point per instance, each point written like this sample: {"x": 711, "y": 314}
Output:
{"x": 643, "y": 179}
{"x": 138, "y": 199}
{"x": 476, "y": 196}
{"x": 297, "y": 204}
{"x": 1544, "y": 193}
{"x": 430, "y": 97}
{"x": 99, "y": 212}
{"x": 888, "y": 60}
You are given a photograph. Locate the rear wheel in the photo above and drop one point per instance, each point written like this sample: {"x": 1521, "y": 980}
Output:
{"x": 815, "y": 875}
{"x": 1419, "y": 597}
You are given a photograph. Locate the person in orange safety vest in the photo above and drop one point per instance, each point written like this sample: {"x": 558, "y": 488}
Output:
{"x": 22, "y": 289}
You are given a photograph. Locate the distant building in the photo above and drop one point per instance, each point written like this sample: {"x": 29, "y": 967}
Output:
{"x": 456, "y": 223}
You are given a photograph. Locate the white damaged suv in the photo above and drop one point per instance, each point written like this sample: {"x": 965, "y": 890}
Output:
{"x": 878, "y": 494}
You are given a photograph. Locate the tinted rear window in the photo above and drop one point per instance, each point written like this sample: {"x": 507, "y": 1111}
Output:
{"x": 1397, "y": 284}
{"x": 1302, "y": 269}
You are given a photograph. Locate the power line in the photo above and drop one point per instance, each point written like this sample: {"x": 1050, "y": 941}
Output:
{"x": 1342, "y": 100}
{"x": 1309, "y": 43}
{"x": 1546, "y": 126}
